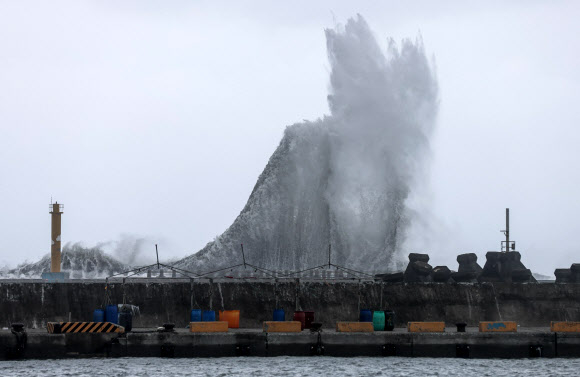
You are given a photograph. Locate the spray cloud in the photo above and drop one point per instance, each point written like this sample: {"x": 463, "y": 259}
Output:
{"x": 383, "y": 113}
{"x": 344, "y": 179}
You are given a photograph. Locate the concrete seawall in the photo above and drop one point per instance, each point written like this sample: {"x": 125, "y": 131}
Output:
{"x": 248, "y": 342}
{"x": 34, "y": 302}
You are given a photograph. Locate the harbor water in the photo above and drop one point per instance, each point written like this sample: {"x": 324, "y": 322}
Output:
{"x": 291, "y": 366}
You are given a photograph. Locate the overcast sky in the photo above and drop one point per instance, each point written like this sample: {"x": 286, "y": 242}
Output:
{"x": 155, "y": 118}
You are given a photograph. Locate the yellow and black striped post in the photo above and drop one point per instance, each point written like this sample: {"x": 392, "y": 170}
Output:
{"x": 83, "y": 327}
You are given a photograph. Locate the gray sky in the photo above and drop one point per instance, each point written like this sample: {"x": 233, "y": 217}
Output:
{"x": 155, "y": 119}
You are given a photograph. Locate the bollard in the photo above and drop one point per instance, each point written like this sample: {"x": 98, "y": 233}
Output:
{"x": 18, "y": 346}
{"x": 389, "y": 320}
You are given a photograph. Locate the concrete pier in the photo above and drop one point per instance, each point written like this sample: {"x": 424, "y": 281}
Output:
{"x": 36, "y": 302}
{"x": 527, "y": 342}
{"x": 532, "y": 306}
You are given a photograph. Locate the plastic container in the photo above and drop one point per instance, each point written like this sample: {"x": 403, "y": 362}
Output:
{"x": 279, "y": 315}
{"x": 232, "y": 317}
{"x": 195, "y": 315}
{"x": 99, "y": 315}
{"x": 300, "y": 317}
{"x": 379, "y": 320}
{"x": 126, "y": 320}
{"x": 208, "y": 316}
{"x": 112, "y": 314}
{"x": 308, "y": 319}
{"x": 389, "y": 320}
{"x": 366, "y": 315}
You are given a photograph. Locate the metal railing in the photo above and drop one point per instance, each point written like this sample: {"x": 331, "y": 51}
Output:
{"x": 60, "y": 207}
{"x": 327, "y": 271}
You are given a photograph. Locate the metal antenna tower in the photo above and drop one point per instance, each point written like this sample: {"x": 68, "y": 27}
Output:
{"x": 507, "y": 244}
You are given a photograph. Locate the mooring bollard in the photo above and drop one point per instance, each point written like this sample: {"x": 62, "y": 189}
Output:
{"x": 168, "y": 327}
{"x": 16, "y": 348}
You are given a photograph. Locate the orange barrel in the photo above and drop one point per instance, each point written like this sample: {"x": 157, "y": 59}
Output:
{"x": 232, "y": 317}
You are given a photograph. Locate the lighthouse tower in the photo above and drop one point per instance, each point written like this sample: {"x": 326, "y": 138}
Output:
{"x": 55, "y": 240}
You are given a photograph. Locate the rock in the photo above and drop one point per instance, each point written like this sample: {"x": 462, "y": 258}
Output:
{"x": 468, "y": 263}
{"x": 563, "y": 275}
{"x": 422, "y": 268}
{"x": 469, "y": 270}
{"x": 568, "y": 275}
{"x": 522, "y": 276}
{"x": 470, "y": 267}
{"x": 395, "y": 277}
{"x": 500, "y": 267}
{"x": 575, "y": 272}
{"x": 418, "y": 272}
{"x": 416, "y": 257}
{"x": 492, "y": 270}
{"x": 466, "y": 258}
{"x": 441, "y": 274}
{"x": 465, "y": 277}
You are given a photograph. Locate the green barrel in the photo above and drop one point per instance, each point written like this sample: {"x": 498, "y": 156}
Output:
{"x": 379, "y": 320}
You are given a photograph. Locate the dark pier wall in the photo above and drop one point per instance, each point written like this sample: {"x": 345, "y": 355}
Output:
{"x": 170, "y": 300}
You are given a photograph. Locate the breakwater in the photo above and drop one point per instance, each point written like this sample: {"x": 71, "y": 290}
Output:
{"x": 527, "y": 343}
{"x": 35, "y": 302}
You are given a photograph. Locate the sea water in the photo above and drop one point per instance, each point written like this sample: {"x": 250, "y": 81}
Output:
{"x": 292, "y": 366}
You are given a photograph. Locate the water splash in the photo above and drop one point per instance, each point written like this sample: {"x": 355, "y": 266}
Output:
{"x": 343, "y": 179}
{"x": 130, "y": 249}
{"x": 221, "y": 295}
{"x": 79, "y": 261}
{"x": 469, "y": 299}
{"x": 496, "y": 302}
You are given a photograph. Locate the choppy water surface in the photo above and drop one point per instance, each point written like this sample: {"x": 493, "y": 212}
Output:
{"x": 292, "y": 366}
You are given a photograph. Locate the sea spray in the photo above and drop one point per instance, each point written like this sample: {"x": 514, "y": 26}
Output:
{"x": 89, "y": 262}
{"x": 79, "y": 261}
{"x": 221, "y": 295}
{"x": 344, "y": 179}
{"x": 383, "y": 113}
{"x": 130, "y": 249}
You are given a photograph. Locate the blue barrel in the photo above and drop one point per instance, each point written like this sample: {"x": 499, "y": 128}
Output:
{"x": 112, "y": 314}
{"x": 208, "y": 316}
{"x": 366, "y": 316}
{"x": 279, "y": 315}
{"x": 99, "y": 315}
{"x": 126, "y": 320}
{"x": 195, "y": 315}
